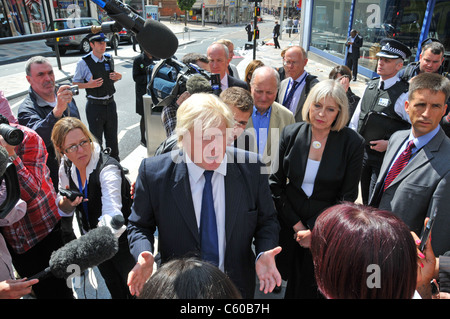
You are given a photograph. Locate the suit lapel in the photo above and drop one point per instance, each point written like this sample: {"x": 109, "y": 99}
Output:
{"x": 301, "y": 101}
{"x": 274, "y": 122}
{"x": 392, "y": 151}
{"x": 282, "y": 90}
{"x": 422, "y": 157}
{"x": 182, "y": 189}
{"x": 234, "y": 191}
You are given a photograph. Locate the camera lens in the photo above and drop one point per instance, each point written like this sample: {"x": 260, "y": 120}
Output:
{"x": 13, "y": 136}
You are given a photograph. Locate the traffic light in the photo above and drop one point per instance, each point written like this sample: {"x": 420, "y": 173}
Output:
{"x": 257, "y": 11}
{"x": 256, "y": 33}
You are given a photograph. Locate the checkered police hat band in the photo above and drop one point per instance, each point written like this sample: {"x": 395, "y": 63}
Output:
{"x": 393, "y": 50}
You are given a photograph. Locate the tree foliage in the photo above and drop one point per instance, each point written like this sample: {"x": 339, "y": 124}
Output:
{"x": 185, "y": 5}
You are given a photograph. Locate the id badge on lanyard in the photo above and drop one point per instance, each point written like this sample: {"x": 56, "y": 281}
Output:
{"x": 84, "y": 192}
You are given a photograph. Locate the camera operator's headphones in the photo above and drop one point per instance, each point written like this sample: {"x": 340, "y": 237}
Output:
{"x": 12, "y": 190}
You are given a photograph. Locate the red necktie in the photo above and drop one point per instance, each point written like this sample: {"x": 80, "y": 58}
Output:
{"x": 399, "y": 164}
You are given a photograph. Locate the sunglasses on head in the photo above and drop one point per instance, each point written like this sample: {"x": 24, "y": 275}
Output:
{"x": 429, "y": 40}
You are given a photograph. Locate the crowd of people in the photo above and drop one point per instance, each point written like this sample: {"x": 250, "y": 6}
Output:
{"x": 256, "y": 184}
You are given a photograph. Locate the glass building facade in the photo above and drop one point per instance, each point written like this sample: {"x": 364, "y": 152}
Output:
{"x": 21, "y": 17}
{"x": 328, "y": 24}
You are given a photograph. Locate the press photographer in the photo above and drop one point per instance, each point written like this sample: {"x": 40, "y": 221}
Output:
{"x": 32, "y": 239}
{"x": 12, "y": 209}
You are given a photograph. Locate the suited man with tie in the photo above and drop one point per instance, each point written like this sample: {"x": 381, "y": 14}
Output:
{"x": 294, "y": 90}
{"x": 269, "y": 117}
{"x": 415, "y": 176}
{"x": 353, "y": 44}
{"x": 386, "y": 94}
{"x": 207, "y": 201}
{"x": 218, "y": 56}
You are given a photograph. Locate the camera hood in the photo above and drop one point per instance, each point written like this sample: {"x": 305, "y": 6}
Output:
{"x": 12, "y": 188}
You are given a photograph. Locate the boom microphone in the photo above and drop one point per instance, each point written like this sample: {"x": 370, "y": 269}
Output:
{"x": 154, "y": 37}
{"x": 89, "y": 250}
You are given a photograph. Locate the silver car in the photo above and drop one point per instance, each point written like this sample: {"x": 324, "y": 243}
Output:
{"x": 80, "y": 41}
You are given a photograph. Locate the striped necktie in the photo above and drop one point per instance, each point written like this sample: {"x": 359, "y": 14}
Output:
{"x": 399, "y": 164}
{"x": 288, "y": 99}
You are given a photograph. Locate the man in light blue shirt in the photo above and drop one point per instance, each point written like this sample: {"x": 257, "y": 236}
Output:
{"x": 269, "y": 117}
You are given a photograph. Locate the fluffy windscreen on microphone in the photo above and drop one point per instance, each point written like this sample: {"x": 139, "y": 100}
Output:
{"x": 3, "y": 160}
{"x": 89, "y": 250}
{"x": 157, "y": 39}
{"x": 198, "y": 84}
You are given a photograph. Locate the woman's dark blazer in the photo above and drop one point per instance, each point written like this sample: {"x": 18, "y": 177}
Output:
{"x": 337, "y": 178}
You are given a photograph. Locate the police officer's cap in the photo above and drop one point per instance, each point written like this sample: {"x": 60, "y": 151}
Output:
{"x": 393, "y": 49}
{"x": 97, "y": 38}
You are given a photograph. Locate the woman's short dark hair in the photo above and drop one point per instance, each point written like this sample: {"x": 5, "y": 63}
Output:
{"x": 352, "y": 243}
{"x": 189, "y": 278}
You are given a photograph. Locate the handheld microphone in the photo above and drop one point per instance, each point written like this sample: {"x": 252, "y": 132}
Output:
{"x": 115, "y": 223}
{"x": 89, "y": 250}
{"x": 154, "y": 37}
{"x": 215, "y": 84}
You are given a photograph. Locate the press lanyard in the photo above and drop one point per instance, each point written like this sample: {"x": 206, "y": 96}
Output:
{"x": 85, "y": 192}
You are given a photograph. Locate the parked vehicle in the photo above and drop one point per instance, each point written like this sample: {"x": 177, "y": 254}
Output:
{"x": 125, "y": 36}
{"x": 80, "y": 41}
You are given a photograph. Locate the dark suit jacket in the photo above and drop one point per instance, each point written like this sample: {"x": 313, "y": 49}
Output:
{"x": 276, "y": 30}
{"x": 163, "y": 199}
{"x": 310, "y": 81}
{"x": 357, "y": 44}
{"x": 232, "y": 81}
{"x": 422, "y": 186}
{"x": 337, "y": 178}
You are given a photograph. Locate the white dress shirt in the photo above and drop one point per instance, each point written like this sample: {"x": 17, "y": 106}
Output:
{"x": 197, "y": 182}
{"x": 224, "y": 83}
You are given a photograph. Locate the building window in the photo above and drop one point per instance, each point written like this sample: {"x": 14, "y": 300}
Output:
{"x": 330, "y": 26}
{"x": 399, "y": 19}
{"x": 72, "y": 9}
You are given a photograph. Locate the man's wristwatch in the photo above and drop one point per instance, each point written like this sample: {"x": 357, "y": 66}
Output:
{"x": 12, "y": 158}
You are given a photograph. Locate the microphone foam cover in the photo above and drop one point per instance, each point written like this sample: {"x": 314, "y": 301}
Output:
{"x": 157, "y": 39}
{"x": 198, "y": 84}
{"x": 89, "y": 250}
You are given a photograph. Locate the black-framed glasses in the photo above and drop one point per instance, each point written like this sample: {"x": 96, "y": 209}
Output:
{"x": 74, "y": 148}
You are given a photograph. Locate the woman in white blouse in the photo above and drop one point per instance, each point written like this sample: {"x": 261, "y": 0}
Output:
{"x": 80, "y": 169}
{"x": 318, "y": 165}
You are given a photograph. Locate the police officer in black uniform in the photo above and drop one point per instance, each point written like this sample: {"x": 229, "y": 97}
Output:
{"x": 386, "y": 94}
{"x": 95, "y": 73}
{"x": 431, "y": 60}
